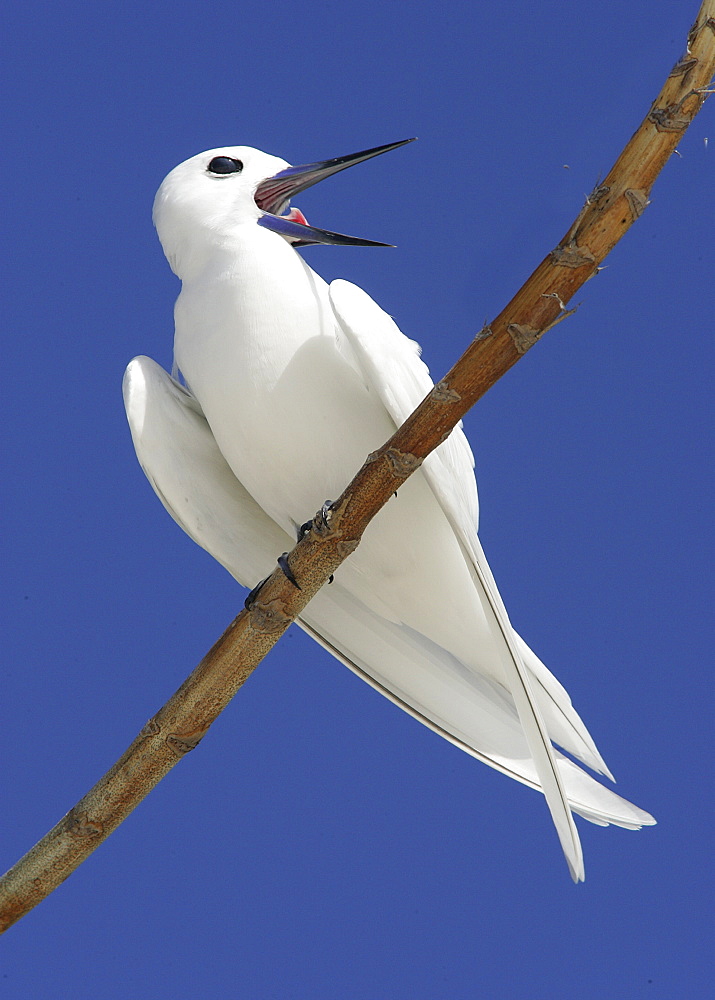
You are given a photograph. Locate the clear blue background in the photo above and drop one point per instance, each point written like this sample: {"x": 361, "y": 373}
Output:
{"x": 320, "y": 843}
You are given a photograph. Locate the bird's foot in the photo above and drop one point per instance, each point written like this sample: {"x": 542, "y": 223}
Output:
{"x": 321, "y": 524}
{"x": 321, "y": 521}
{"x": 288, "y": 572}
{"x": 253, "y": 594}
{"x": 325, "y": 511}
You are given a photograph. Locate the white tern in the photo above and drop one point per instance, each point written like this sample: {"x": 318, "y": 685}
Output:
{"x": 289, "y": 385}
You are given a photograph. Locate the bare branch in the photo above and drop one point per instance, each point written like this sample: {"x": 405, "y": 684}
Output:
{"x": 609, "y": 211}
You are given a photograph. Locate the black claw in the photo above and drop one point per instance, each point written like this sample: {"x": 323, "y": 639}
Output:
{"x": 283, "y": 563}
{"x": 253, "y": 595}
{"x": 325, "y": 510}
{"x": 330, "y": 579}
{"x": 322, "y": 518}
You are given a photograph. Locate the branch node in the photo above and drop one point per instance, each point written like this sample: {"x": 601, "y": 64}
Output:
{"x": 600, "y": 191}
{"x": 669, "y": 119}
{"x": 486, "y": 331}
{"x": 182, "y": 743}
{"x": 443, "y": 394}
{"x": 683, "y": 66}
{"x": 403, "y": 463}
{"x": 80, "y": 825}
{"x": 523, "y": 336}
{"x": 269, "y": 617}
{"x": 572, "y": 255}
{"x": 637, "y": 202}
{"x": 150, "y": 728}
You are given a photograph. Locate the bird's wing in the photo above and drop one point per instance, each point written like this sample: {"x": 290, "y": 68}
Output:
{"x": 472, "y": 713}
{"x": 181, "y": 460}
{"x": 184, "y": 465}
{"x": 388, "y": 360}
{"x": 391, "y": 366}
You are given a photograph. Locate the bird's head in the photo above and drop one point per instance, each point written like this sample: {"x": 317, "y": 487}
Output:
{"x": 207, "y": 197}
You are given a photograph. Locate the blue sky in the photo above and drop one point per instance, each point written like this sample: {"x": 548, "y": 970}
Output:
{"x": 320, "y": 843}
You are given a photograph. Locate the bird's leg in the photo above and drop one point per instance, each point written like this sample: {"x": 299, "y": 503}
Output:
{"x": 321, "y": 523}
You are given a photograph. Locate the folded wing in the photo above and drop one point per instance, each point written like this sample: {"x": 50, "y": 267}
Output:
{"x": 180, "y": 457}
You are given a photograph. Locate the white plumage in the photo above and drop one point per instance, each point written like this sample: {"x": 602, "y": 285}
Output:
{"x": 292, "y": 383}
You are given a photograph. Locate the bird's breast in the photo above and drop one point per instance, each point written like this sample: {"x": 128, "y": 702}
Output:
{"x": 293, "y": 418}
{"x": 292, "y": 414}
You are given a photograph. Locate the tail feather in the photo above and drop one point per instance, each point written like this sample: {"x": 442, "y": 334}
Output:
{"x": 566, "y": 728}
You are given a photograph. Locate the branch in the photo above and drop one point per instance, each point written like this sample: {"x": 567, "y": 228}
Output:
{"x": 609, "y": 211}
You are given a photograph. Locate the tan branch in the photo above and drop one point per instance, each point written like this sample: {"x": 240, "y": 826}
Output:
{"x": 177, "y": 728}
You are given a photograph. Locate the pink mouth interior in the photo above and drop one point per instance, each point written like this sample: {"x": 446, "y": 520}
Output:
{"x": 295, "y": 215}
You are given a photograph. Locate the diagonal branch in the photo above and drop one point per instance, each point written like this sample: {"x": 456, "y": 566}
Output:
{"x": 609, "y": 211}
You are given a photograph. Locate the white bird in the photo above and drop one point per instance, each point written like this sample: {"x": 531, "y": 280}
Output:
{"x": 290, "y": 383}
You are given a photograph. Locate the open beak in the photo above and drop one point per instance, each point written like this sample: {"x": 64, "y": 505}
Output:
{"x": 274, "y": 193}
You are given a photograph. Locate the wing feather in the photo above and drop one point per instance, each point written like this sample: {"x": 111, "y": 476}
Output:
{"x": 391, "y": 365}
{"x": 184, "y": 465}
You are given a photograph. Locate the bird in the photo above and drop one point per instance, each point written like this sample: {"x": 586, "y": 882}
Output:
{"x": 281, "y": 386}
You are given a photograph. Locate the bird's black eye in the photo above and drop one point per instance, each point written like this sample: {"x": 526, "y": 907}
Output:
{"x": 225, "y": 165}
